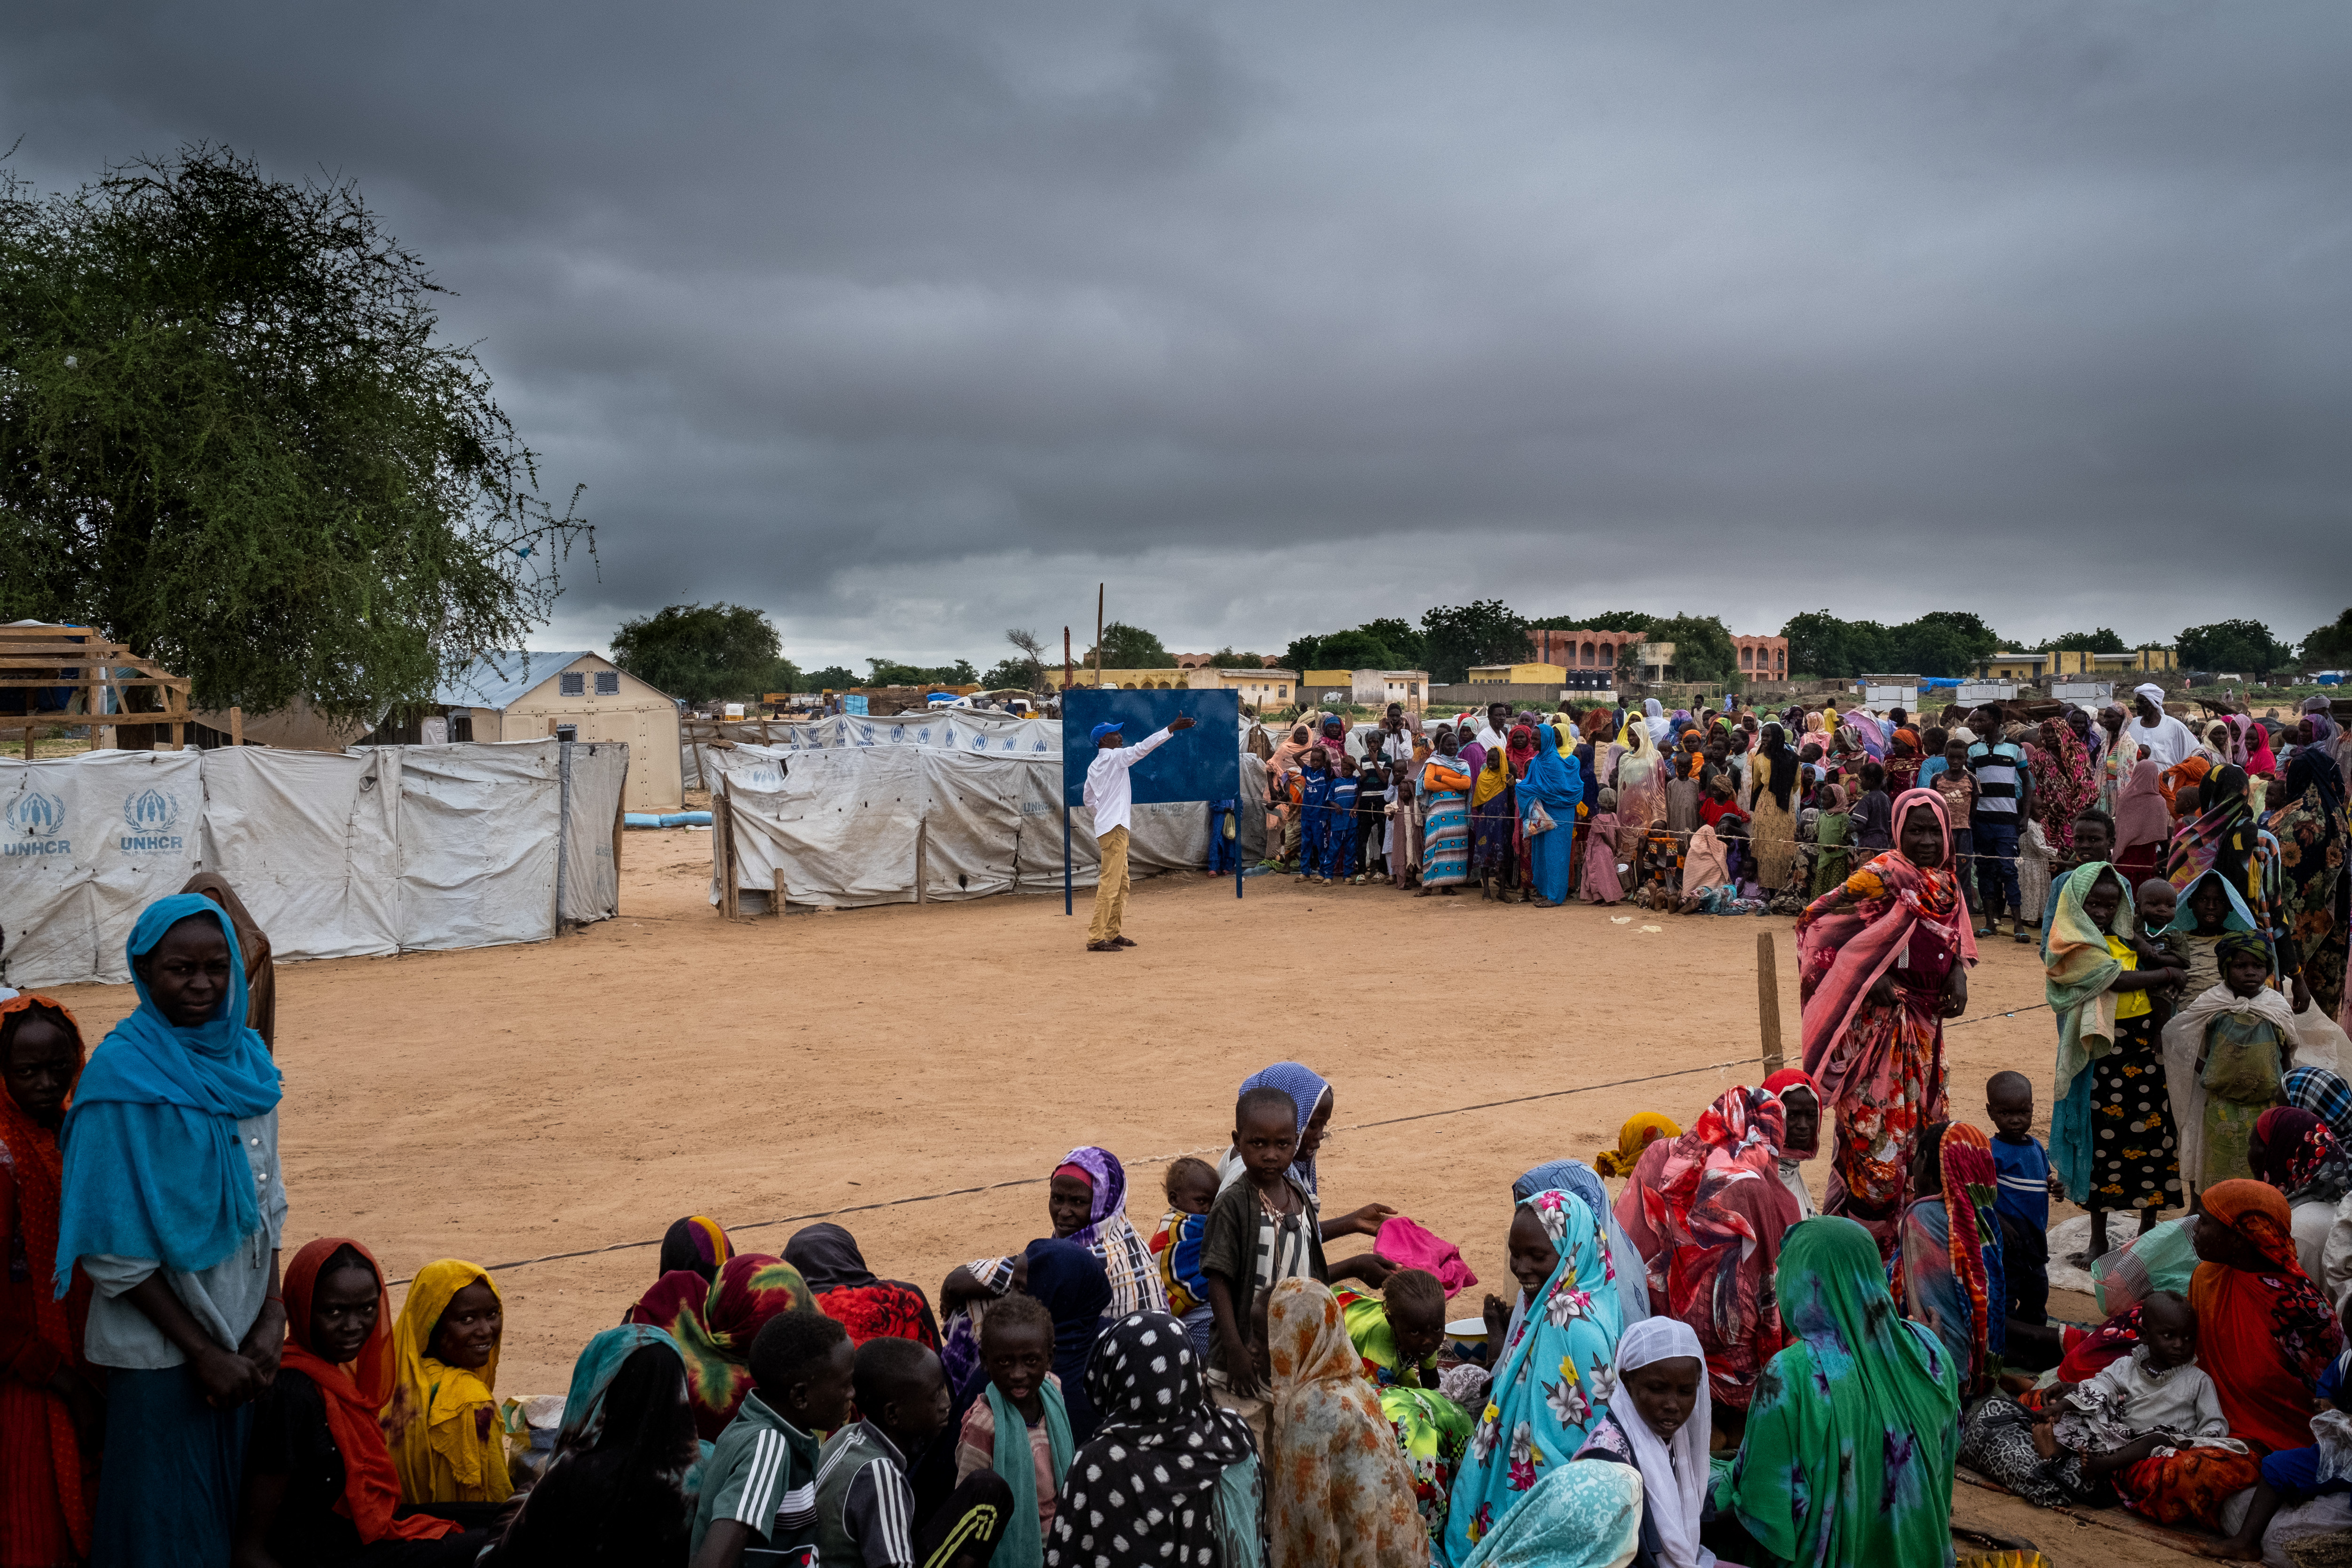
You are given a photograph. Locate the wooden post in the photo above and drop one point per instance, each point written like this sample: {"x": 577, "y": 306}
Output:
{"x": 237, "y": 726}
{"x": 1099, "y": 626}
{"x": 1768, "y": 1000}
{"x": 1066, "y": 670}
{"x": 776, "y": 897}
{"x": 28, "y": 742}
{"x": 722, "y": 851}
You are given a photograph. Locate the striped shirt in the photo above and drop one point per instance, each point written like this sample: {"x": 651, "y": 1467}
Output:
{"x": 762, "y": 1473}
{"x": 1999, "y": 772}
{"x": 865, "y": 1510}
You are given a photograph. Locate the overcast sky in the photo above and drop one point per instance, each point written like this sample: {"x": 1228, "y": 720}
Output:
{"x": 909, "y": 323}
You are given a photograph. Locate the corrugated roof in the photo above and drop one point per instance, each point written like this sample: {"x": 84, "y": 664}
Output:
{"x": 496, "y": 680}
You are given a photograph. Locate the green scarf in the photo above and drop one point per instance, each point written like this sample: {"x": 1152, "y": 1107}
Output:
{"x": 1863, "y": 1407}
{"x": 1022, "y": 1546}
{"x": 2080, "y": 969}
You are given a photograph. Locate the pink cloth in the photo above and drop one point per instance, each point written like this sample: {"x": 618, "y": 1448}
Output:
{"x": 1600, "y": 881}
{"x": 1411, "y": 1246}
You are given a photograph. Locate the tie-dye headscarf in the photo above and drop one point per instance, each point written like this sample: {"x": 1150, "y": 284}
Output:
{"x": 714, "y": 1325}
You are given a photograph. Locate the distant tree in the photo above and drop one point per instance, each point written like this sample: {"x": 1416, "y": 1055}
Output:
{"x": 1026, "y": 667}
{"x": 1830, "y": 648}
{"x": 832, "y": 678}
{"x": 2100, "y": 641}
{"x": 1131, "y": 647}
{"x": 1301, "y": 654}
{"x": 891, "y": 672}
{"x": 1404, "y": 643}
{"x": 229, "y": 438}
{"x": 1457, "y": 637}
{"x": 1356, "y": 649}
{"x": 1612, "y": 621}
{"x": 1703, "y": 649}
{"x": 704, "y": 653}
{"x": 1226, "y": 659}
{"x": 2246, "y": 646}
{"x": 2330, "y": 647}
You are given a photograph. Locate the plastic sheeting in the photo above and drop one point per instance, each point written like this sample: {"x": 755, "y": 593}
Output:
{"x": 85, "y": 845}
{"x": 384, "y": 849}
{"x": 942, "y": 730}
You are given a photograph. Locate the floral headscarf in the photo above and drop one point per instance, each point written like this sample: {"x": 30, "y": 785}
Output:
{"x": 1337, "y": 1485}
{"x": 1553, "y": 1377}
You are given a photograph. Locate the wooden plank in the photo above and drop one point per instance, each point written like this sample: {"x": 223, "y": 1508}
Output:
{"x": 1768, "y": 1000}
{"x": 776, "y": 897}
{"x": 237, "y": 726}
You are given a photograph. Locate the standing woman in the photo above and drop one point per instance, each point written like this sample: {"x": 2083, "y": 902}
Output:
{"x": 2066, "y": 785}
{"x": 173, "y": 1206}
{"x": 1553, "y": 787}
{"x": 51, "y": 1413}
{"x": 2143, "y": 823}
{"x": 1494, "y": 827}
{"x": 1445, "y": 789}
{"x": 2309, "y": 824}
{"x": 1850, "y": 1449}
{"x": 1641, "y": 788}
{"x": 2225, "y": 836}
{"x": 1771, "y": 811}
{"x": 1883, "y": 959}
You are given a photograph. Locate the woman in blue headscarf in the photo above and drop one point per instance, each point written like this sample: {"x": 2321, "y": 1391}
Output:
{"x": 172, "y": 1205}
{"x": 1625, "y": 1261}
{"x": 1551, "y": 790}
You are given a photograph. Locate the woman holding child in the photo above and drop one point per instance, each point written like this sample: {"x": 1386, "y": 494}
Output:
{"x": 1444, "y": 785}
{"x": 1883, "y": 961}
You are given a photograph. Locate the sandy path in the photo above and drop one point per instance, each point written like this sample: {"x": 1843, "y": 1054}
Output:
{"x": 508, "y": 1102}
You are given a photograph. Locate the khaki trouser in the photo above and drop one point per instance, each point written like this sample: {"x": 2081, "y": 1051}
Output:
{"x": 1111, "y": 891}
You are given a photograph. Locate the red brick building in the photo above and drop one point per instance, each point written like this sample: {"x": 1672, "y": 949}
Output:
{"x": 1760, "y": 659}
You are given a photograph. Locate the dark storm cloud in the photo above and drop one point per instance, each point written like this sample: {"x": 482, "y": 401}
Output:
{"x": 909, "y": 323}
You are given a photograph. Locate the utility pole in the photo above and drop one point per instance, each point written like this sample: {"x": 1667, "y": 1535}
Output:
{"x": 1098, "y": 631}
{"x": 1066, "y": 658}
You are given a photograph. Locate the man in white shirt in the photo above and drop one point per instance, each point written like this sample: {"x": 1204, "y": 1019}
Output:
{"x": 2163, "y": 739}
{"x": 1110, "y": 796}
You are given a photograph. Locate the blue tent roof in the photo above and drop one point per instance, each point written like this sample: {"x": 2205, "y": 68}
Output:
{"x": 497, "y": 680}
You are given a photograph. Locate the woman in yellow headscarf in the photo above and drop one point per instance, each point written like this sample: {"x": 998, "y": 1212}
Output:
{"x": 1638, "y": 1133}
{"x": 443, "y": 1421}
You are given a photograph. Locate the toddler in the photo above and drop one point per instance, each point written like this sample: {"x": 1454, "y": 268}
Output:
{"x": 2150, "y": 1424}
{"x": 1602, "y": 884}
{"x": 1398, "y": 1331}
{"x": 1191, "y": 1188}
{"x": 2022, "y": 1203}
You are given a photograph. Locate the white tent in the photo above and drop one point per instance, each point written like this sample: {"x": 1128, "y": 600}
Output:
{"x": 383, "y": 849}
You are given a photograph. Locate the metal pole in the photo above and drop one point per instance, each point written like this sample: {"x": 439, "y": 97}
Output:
{"x": 1067, "y": 907}
{"x": 1098, "y": 629}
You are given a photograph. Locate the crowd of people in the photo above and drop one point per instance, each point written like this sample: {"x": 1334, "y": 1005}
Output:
{"x": 1710, "y": 1366}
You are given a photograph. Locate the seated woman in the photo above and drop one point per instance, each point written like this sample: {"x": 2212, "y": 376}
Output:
{"x": 1658, "y": 1423}
{"x": 1622, "y": 1258}
{"x": 443, "y": 1417}
{"x": 1552, "y": 1371}
{"x": 620, "y": 1490}
{"x": 1951, "y": 1272}
{"x": 2294, "y": 1151}
{"x": 1578, "y": 1516}
{"x": 1708, "y": 1213}
{"x": 696, "y": 1245}
{"x": 1337, "y": 1486}
{"x": 320, "y": 1488}
{"x": 1169, "y": 1477}
{"x": 713, "y": 1326}
{"x": 2264, "y": 1333}
{"x": 1801, "y": 1139}
{"x": 846, "y": 1290}
{"x": 1850, "y": 1445}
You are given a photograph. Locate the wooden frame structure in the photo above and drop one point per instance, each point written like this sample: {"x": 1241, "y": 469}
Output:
{"x": 80, "y": 658}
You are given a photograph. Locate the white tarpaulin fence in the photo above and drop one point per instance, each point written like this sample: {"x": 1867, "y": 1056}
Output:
{"x": 384, "y": 849}
{"x": 848, "y": 828}
{"x": 979, "y": 733}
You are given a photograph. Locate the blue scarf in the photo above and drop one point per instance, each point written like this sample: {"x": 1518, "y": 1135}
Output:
{"x": 1551, "y": 780}
{"x": 152, "y": 1168}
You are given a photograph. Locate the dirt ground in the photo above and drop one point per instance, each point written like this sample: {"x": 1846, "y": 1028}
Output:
{"x": 508, "y": 1103}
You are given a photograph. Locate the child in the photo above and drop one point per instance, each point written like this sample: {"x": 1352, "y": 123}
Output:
{"x": 2151, "y": 1424}
{"x": 1339, "y": 853}
{"x": 2194, "y": 935}
{"x": 1659, "y": 1422}
{"x": 1371, "y": 814}
{"x": 864, "y": 1506}
{"x": 2184, "y": 802}
{"x": 1602, "y": 882}
{"x": 1016, "y": 1349}
{"x": 2026, "y": 1182}
{"x": 1871, "y": 823}
{"x": 1397, "y": 1332}
{"x": 2240, "y": 1036}
{"x": 759, "y": 1485}
{"x": 1261, "y": 1229}
{"x": 2157, "y": 904}
{"x": 2293, "y": 1475}
{"x": 1311, "y": 793}
{"x": 1958, "y": 786}
{"x": 1192, "y": 1187}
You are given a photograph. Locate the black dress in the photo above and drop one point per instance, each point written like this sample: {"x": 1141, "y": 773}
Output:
{"x": 292, "y": 1438}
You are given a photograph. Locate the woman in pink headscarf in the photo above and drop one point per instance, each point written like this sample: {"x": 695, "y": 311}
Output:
{"x": 2142, "y": 825}
{"x": 1883, "y": 959}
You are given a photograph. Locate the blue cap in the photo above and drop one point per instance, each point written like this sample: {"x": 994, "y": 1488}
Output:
{"x": 1102, "y": 729}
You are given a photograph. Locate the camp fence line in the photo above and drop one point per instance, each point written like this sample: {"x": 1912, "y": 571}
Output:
{"x": 1154, "y": 1159}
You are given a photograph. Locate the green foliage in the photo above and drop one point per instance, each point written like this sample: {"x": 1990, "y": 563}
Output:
{"x": 229, "y": 439}
{"x": 1404, "y": 643}
{"x": 1131, "y": 647}
{"x": 1944, "y": 643}
{"x": 706, "y": 653}
{"x": 2100, "y": 641}
{"x": 891, "y": 672}
{"x": 1226, "y": 659}
{"x": 1300, "y": 655}
{"x": 1025, "y": 670}
{"x": 1615, "y": 621}
{"x": 2244, "y": 647}
{"x": 1356, "y": 649}
{"x": 832, "y": 678}
{"x": 1703, "y": 649}
{"x": 2330, "y": 647}
{"x": 1457, "y": 637}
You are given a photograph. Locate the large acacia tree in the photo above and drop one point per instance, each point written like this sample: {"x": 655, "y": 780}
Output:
{"x": 230, "y": 437}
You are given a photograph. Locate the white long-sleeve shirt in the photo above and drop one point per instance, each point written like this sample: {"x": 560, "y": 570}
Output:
{"x": 1110, "y": 795}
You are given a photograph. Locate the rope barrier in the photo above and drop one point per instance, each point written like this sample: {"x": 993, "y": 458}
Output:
{"x": 1132, "y": 1164}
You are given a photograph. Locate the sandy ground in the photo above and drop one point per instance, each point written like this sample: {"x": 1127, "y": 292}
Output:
{"x": 506, "y": 1103}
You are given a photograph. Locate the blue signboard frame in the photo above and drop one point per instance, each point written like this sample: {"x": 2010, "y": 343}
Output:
{"x": 1181, "y": 769}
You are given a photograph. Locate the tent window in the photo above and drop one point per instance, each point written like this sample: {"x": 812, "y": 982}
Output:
{"x": 571, "y": 683}
{"x": 608, "y": 683}
{"x": 461, "y": 726}
{"x": 567, "y": 733}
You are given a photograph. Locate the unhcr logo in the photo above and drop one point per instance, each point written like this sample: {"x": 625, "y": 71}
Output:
{"x": 35, "y": 821}
{"x": 152, "y": 815}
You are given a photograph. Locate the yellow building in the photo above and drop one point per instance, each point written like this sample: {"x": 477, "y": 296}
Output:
{"x": 1517, "y": 675}
{"x": 1170, "y": 679}
{"x": 1256, "y": 687}
{"x": 2071, "y": 661}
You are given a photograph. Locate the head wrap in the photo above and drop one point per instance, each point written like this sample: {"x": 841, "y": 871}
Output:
{"x": 1625, "y": 1261}
{"x": 2299, "y": 1156}
{"x": 1070, "y": 1281}
{"x": 2153, "y": 692}
{"x": 697, "y": 1245}
{"x": 1640, "y": 1130}
{"x": 715, "y": 1324}
{"x": 1306, "y": 1089}
{"x": 1676, "y": 1476}
{"x": 827, "y": 1259}
{"x": 1134, "y": 1282}
{"x": 430, "y": 1417}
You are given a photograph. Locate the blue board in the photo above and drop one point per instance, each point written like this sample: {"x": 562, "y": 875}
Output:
{"x": 1201, "y": 764}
